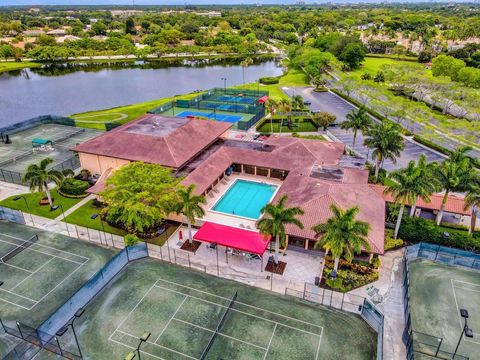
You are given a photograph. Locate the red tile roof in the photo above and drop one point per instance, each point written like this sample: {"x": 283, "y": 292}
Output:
{"x": 156, "y": 139}
{"x": 316, "y": 196}
{"x": 455, "y": 204}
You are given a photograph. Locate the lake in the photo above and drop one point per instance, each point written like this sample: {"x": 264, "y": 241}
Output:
{"x": 67, "y": 89}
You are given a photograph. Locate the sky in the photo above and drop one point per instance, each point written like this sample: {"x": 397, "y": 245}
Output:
{"x": 179, "y": 2}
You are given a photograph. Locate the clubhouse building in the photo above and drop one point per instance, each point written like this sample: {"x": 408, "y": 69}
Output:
{"x": 239, "y": 177}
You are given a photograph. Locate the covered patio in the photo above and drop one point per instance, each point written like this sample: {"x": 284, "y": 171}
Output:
{"x": 237, "y": 242}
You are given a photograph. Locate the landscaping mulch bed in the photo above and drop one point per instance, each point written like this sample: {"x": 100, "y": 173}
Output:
{"x": 192, "y": 247}
{"x": 276, "y": 268}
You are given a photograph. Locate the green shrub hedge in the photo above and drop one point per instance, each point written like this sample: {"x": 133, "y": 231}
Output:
{"x": 390, "y": 242}
{"x": 269, "y": 80}
{"x": 349, "y": 275}
{"x": 73, "y": 187}
{"x": 421, "y": 230}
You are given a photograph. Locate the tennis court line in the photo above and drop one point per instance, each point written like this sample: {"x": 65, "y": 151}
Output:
{"x": 12, "y": 303}
{"x": 247, "y": 305}
{"x": 458, "y": 310}
{"x": 270, "y": 342}
{"x": 170, "y": 320}
{"x": 16, "y": 267}
{"x": 465, "y": 282}
{"x": 27, "y": 277}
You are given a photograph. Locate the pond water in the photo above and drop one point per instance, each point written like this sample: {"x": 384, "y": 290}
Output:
{"x": 72, "y": 88}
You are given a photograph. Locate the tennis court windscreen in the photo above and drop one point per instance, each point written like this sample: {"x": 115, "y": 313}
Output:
{"x": 219, "y": 326}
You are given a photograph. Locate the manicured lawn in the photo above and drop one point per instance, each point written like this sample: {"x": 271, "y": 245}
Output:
{"x": 82, "y": 217}
{"x": 372, "y": 65}
{"x": 298, "y": 125}
{"x": 33, "y": 200}
{"x": 11, "y": 65}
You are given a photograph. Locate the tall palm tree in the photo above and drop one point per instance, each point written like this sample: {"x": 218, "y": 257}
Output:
{"x": 472, "y": 200}
{"x": 357, "y": 120}
{"x": 342, "y": 234}
{"x": 189, "y": 205}
{"x": 244, "y": 64}
{"x": 408, "y": 184}
{"x": 297, "y": 103}
{"x": 387, "y": 143}
{"x": 38, "y": 177}
{"x": 272, "y": 106}
{"x": 275, "y": 217}
{"x": 453, "y": 174}
{"x": 286, "y": 107}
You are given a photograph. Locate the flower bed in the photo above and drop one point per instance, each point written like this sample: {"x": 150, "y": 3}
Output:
{"x": 349, "y": 275}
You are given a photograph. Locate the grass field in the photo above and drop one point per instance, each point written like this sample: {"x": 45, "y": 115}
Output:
{"x": 11, "y": 65}
{"x": 182, "y": 308}
{"x": 372, "y": 65}
{"x": 437, "y": 292}
{"x": 35, "y": 208}
{"x": 40, "y": 278}
{"x": 299, "y": 124}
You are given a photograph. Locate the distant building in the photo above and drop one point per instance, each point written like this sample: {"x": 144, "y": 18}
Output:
{"x": 33, "y": 32}
{"x": 125, "y": 13}
{"x": 57, "y": 32}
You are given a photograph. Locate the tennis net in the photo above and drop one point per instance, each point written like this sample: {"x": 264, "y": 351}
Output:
{"x": 219, "y": 326}
{"x": 19, "y": 247}
{"x": 69, "y": 136}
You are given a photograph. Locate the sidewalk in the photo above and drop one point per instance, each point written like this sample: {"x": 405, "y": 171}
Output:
{"x": 75, "y": 207}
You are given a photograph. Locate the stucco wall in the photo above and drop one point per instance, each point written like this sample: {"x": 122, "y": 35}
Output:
{"x": 98, "y": 164}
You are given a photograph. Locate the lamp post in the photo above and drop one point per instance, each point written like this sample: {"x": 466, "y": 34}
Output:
{"x": 53, "y": 208}
{"x": 143, "y": 339}
{"x": 224, "y": 84}
{"x": 466, "y": 330}
{"x": 64, "y": 329}
{"x": 130, "y": 356}
{"x": 93, "y": 217}
{"x": 16, "y": 198}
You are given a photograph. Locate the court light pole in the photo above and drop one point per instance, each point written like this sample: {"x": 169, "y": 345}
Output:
{"x": 130, "y": 356}
{"x": 64, "y": 329}
{"x": 466, "y": 330}
{"x": 18, "y": 197}
{"x": 53, "y": 208}
{"x": 143, "y": 339}
{"x": 224, "y": 84}
{"x": 93, "y": 217}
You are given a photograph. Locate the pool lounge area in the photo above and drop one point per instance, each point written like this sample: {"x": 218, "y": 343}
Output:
{"x": 245, "y": 198}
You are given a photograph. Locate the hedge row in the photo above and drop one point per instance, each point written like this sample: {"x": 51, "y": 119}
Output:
{"x": 269, "y": 80}
{"x": 414, "y": 230}
{"x": 73, "y": 187}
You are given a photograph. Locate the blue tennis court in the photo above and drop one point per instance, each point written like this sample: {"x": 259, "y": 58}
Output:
{"x": 218, "y": 117}
{"x": 238, "y": 99}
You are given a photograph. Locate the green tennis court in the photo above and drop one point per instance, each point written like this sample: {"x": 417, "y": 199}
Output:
{"x": 192, "y": 315}
{"x": 437, "y": 293}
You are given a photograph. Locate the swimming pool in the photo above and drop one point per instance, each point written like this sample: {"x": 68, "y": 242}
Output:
{"x": 245, "y": 198}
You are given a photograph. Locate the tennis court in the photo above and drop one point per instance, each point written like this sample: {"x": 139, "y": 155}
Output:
{"x": 40, "y": 270}
{"x": 192, "y": 315}
{"x": 212, "y": 116}
{"x": 20, "y": 153}
{"x": 437, "y": 293}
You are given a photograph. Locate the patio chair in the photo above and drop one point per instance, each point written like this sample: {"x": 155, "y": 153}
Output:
{"x": 271, "y": 260}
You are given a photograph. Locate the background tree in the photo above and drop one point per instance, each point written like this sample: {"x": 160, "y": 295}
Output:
{"x": 189, "y": 205}
{"x": 130, "y": 26}
{"x": 342, "y": 234}
{"x": 324, "y": 119}
{"x": 38, "y": 177}
{"x": 472, "y": 200}
{"x": 353, "y": 55}
{"x": 139, "y": 196}
{"x": 272, "y": 106}
{"x": 357, "y": 120}
{"x": 244, "y": 64}
{"x": 387, "y": 143}
{"x": 275, "y": 218}
{"x": 319, "y": 81}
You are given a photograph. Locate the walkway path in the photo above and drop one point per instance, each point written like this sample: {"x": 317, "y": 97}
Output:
{"x": 75, "y": 207}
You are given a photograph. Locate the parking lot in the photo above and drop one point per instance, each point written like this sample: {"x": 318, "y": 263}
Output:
{"x": 326, "y": 101}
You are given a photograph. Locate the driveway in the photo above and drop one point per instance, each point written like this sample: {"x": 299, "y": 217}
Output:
{"x": 327, "y": 101}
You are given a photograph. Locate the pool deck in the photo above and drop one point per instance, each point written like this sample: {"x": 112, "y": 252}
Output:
{"x": 220, "y": 189}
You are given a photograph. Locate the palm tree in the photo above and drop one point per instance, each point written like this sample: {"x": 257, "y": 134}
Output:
{"x": 286, "y": 106}
{"x": 408, "y": 184}
{"x": 472, "y": 200}
{"x": 245, "y": 63}
{"x": 272, "y": 106}
{"x": 297, "y": 103}
{"x": 453, "y": 174}
{"x": 275, "y": 217}
{"x": 342, "y": 234}
{"x": 357, "y": 120}
{"x": 38, "y": 177}
{"x": 189, "y": 206}
{"x": 387, "y": 143}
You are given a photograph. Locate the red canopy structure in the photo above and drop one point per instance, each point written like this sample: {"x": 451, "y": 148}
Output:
{"x": 263, "y": 99}
{"x": 234, "y": 238}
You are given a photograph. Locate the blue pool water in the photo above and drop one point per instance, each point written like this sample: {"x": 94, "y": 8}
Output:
{"x": 245, "y": 198}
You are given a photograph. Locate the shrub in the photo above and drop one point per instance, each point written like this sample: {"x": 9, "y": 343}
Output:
{"x": 376, "y": 262}
{"x": 269, "y": 80}
{"x": 349, "y": 275}
{"x": 390, "y": 242}
{"x": 131, "y": 239}
{"x": 71, "y": 186}
{"x": 421, "y": 230}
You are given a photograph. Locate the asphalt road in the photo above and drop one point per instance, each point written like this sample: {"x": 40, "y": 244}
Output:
{"x": 326, "y": 101}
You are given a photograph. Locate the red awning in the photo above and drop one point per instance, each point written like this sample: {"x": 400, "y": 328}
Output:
{"x": 263, "y": 99}
{"x": 235, "y": 238}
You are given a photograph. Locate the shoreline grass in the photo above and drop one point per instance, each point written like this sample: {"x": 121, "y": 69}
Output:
{"x": 14, "y": 65}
